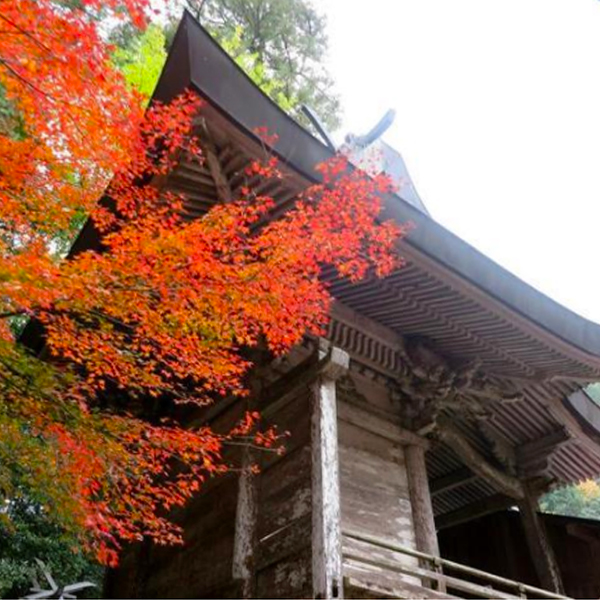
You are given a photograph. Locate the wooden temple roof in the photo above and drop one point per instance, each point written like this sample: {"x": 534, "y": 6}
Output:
{"x": 469, "y": 307}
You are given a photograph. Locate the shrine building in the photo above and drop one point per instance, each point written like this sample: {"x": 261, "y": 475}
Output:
{"x": 425, "y": 425}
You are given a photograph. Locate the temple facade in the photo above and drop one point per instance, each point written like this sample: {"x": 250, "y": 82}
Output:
{"x": 448, "y": 391}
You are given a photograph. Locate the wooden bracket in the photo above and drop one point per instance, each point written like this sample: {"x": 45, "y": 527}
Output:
{"x": 209, "y": 149}
{"x": 507, "y": 484}
{"x": 535, "y": 458}
{"x": 334, "y": 362}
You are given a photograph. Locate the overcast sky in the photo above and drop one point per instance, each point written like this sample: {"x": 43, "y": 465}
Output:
{"x": 498, "y": 120}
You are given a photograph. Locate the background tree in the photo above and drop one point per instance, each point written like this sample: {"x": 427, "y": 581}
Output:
{"x": 88, "y": 432}
{"x": 287, "y": 37}
{"x": 581, "y": 500}
{"x": 140, "y": 56}
{"x": 26, "y": 531}
{"x": 578, "y": 500}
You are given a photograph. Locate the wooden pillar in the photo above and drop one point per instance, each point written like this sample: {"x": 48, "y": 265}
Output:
{"x": 541, "y": 551}
{"x": 327, "y": 578}
{"x": 245, "y": 529}
{"x": 422, "y": 509}
{"x": 420, "y": 499}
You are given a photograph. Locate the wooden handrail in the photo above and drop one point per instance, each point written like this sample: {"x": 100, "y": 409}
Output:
{"x": 452, "y": 582}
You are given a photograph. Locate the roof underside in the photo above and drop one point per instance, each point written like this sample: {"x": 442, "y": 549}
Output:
{"x": 465, "y": 304}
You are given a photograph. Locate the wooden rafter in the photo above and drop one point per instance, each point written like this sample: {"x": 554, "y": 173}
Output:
{"x": 453, "y": 480}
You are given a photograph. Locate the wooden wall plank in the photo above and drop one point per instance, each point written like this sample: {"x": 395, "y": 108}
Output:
{"x": 288, "y": 578}
{"x": 372, "y": 504}
{"x": 285, "y": 492}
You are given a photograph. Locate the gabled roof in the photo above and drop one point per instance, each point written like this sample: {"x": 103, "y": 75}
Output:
{"x": 197, "y": 61}
{"x": 468, "y": 305}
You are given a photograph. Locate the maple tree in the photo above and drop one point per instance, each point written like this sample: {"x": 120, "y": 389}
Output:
{"x": 165, "y": 309}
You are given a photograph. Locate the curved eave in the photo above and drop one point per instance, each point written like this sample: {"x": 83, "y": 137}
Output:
{"x": 197, "y": 61}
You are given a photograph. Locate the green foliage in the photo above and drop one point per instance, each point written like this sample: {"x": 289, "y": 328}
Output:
{"x": 27, "y": 533}
{"x": 11, "y": 123}
{"x": 251, "y": 64}
{"x": 140, "y": 57}
{"x": 287, "y": 38}
{"x": 582, "y": 500}
{"x": 593, "y": 391}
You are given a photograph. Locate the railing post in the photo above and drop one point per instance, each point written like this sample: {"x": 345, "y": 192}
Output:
{"x": 326, "y": 529}
{"x": 437, "y": 568}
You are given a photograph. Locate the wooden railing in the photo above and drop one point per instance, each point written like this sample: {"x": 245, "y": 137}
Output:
{"x": 444, "y": 576}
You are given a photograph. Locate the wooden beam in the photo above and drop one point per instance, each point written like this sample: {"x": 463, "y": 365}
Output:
{"x": 505, "y": 483}
{"x": 214, "y": 166}
{"x": 209, "y": 149}
{"x": 473, "y": 511}
{"x": 365, "y": 419}
{"x": 277, "y": 394}
{"x": 452, "y": 481}
{"x": 283, "y": 390}
{"x": 540, "y": 549}
{"x": 545, "y": 444}
{"x": 534, "y": 458}
{"x": 327, "y": 576}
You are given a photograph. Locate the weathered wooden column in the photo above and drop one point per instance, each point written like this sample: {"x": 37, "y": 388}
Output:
{"x": 327, "y": 574}
{"x": 420, "y": 499}
{"x": 541, "y": 551}
{"x": 246, "y": 514}
{"x": 245, "y": 528}
{"x": 422, "y": 510}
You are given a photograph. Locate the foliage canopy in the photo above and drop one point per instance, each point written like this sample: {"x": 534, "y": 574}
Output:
{"x": 288, "y": 39}
{"x": 162, "y": 312}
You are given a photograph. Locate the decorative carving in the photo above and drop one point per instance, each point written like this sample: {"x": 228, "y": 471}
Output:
{"x": 422, "y": 380}
{"x": 431, "y": 382}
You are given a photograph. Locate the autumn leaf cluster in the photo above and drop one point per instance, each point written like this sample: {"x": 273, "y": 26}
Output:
{"x": 164, "y": 310}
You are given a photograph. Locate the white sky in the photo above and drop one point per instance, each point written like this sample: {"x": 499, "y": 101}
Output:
{"x": 498, "y": 120}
